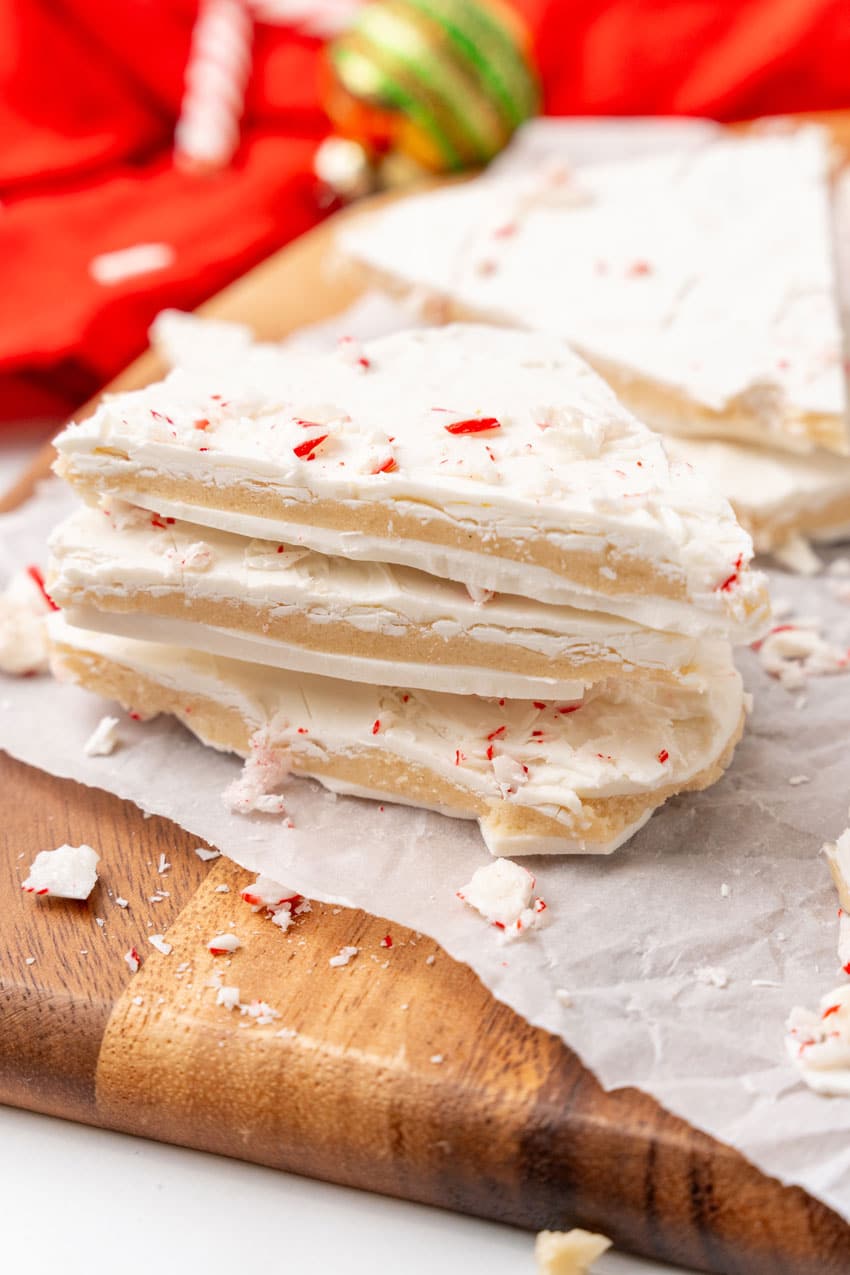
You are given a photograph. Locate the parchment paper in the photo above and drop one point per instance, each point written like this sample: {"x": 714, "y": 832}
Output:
{"x": 625, "y": 933}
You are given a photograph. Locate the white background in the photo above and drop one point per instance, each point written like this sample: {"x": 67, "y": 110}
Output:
{"x": 84, "y": 1201}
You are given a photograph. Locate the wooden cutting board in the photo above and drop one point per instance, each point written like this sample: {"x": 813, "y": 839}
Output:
{"x": 509, "y": 1125}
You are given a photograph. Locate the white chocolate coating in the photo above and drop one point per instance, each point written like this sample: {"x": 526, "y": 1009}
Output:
{"x": 709, "y": 275}
{"x": 819, "y": 1043}
{"x": 566, "y": 470}
{"x": 623, "y": 740}
{"x": 773, "y": 492}
{"x": 130, "y": 560}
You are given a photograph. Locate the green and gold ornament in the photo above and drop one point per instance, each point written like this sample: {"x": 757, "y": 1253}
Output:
{"x": 424, "y": 86}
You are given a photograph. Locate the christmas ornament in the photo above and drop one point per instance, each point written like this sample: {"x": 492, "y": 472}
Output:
{"x": 440, "y": 83}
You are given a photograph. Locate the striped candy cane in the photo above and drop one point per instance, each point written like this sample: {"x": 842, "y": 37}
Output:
{"x": 207, "y": 132}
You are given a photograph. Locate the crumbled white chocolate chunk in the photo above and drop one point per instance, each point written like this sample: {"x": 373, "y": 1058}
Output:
{"x": 502, "y": 892}
{"x": 228, "y": 997}
{"x": 23, "y": 637}
{"x": 568, "y": 1252}
{"x": 205, "y": 855}
{"x": 793, "y": 653}
{"x": 343, "y": 956}
{"x": 796, "y": 780}
{"x": 819, "y": 1043}
{"x": 103, "y": 739}
{"x": 725, "y": 891}
{"x": 68, "y": 872}
{"x": 712, "y": 976}
{"x": 160, "y": 943}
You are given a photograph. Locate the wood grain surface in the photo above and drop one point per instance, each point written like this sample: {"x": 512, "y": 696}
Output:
{"x": 342, "y": 1086}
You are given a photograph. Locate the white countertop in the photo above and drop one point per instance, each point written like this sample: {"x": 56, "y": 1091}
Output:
{"x": 89, "y": 1202}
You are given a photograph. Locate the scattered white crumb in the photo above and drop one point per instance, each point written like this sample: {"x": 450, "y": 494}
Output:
{"x": 502, "y": 893}
{"x": 23, "y": 638}
{"x": 103, "y": 739}
{"x": 138, "y": 1000}
{"x": 30, "y": 960}
{"x": 221, "y": 943}
{"x": 163, "y": 865}
{"x": 110, "y": 268}
{"x": 568, "y": 1252}
{"x": 228, "y": 997}
{"x": 133, "y": 960}
{"x": 725, "y": 890}
{"x": 287, "y": 1033}
{"x": 436, "y": 1058}
{"x": 343, "y": 956}
{"x": 207, "y": 855}
{"x": 222, "y": 889}
{"x": 100, "y": 920}
{"x": 119, "y": 902}
{"x": 260, "y": 1012}
{"x": 712, "y": 976}
{"x": 160, "y": 943}
{"x": 429, "y": 960}
{"x": 68, "y": 872}
{"x": 796, "y": 780}
{"x": 793, "y": 653}
{"x": 563, "y": 997}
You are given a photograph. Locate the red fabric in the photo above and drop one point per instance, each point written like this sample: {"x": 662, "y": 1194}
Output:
{"x": 89, "y": 93}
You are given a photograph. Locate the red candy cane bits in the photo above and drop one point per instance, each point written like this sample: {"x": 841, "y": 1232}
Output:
{"x": 476, "y": 425}
{"x": 307, "y": 449}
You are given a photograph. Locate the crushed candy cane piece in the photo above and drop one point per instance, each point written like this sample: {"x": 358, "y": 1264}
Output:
{"x": 502, "y": 893}
{"x": 268, "y": 893}
{"x": 205, "y": 855}
{"x": 568, "y": 1252}
{"x": 222, "y": 944}
{"x": 160, "y": 942}
{"x": 818, "y": 1043}
{"x": 103, "y": 739}
{"x": 343, "y": 956}
{"x": 265, "y": 769}
{"x": 133, "y": 960}
{"x": 68, "y": 872}
{"x": 228, "y": 997}
{"x": 24, "y": 607}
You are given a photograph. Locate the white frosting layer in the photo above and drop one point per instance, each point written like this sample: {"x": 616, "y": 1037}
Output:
{"x": 779, "y": 492}
{"x": 133, "y": 555}
{"x": 709, "y": 273}
{"x": 624, "y": 739}
{"x": 565, "y": 466}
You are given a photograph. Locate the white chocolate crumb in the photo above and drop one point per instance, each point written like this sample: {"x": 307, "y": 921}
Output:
{"x": 68, "y": 872}
{"x": 568, "y": 1252}
{"x": 163, "y": 865}
{"x": 222, "y": 889}
{"x": 725, "y": 890}
{"x": 436, "y": 1058}
{"x": 120, "y": 902}
{"x": 711, "y": 976}
{"x": 563, "y": 997}
{"x": 160, "y": 943}
{"x": 502, "y": 893}
{"x": 30, "y": 960}
{"x": 429, "y": 960}
{"x": 343, "y": 956}
{"x": 796, "y": 780}
{"x": 207, "y": 855}
{"x": 228, "y": 997}
{"x": 23, "y": 638}
{"x": 103, "y": 739}
{"x": 138, "y": 1000}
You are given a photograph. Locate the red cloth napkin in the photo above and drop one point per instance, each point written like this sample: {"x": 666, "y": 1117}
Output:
{"x": 89, "y": 94}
